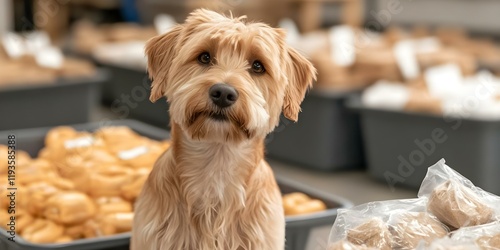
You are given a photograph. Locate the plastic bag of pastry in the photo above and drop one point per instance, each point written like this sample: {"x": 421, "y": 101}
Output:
{"x": 449, "y": 244}
{"x": 409, "y": 229}
{"x": 454, "y": 200}
{"x": 485, "y": 236}
{"x": 346, "y": 245}
{"x": 363, "y": 225}
{"x": 394, "y": 224}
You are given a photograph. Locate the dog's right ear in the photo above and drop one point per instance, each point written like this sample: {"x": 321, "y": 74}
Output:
{"x": 160, "y": 51}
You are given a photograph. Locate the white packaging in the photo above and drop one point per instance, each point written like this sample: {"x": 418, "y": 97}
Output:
{"x": 342, "y": 42}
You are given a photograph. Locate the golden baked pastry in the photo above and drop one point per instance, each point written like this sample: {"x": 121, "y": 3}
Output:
{"x": 22, "y": 158}
{"x": 93, "y": 228}
{"x": 23, "y": 220}
{"x": 142, "y": 156}
{"x": 59, "y": 134}
{"x": 132, "y": 190}
{"x": 122, "y": 222}
{"x": 69, "y": 208}
{"x": 42, "y": 231}
{"x": 111, "y": 205}
{"x": 299, "y": 203}
{"x": 63, "y": 239}
{"x": 4, "y": 218}
{"x": 78, "y": 171}
{"x": 423, "y": 101}
{"x": 39, "y": 193}
{"x": 80, "y": 187}
{"x": 75, "y": 231}
{"x": 109, "y": 179}
{"x": 116, "y": 135}
{"x": 76, "y": 68}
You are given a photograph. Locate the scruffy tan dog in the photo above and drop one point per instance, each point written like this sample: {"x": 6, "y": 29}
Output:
{"x": 227, "y": 82}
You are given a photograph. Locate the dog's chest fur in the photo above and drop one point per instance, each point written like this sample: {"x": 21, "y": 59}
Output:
{"x": 212, "y": 179}
{"x": 211, "y": 196}
{"x": 213, "y": 189}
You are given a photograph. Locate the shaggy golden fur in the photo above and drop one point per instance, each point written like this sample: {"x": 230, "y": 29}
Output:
{"x": 213, "y": 189}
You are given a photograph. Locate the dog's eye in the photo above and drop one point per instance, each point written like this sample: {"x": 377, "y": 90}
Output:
{"x": 204, "y": 58}
{"x": 258, "y": 68}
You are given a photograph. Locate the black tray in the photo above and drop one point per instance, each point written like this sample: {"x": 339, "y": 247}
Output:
{"x": 326, "y": 137}
{"x": 66, "y": 101}
{"x": 127, "y": 92}
{"x": 297, "y": 227}
{"x": 400, "y": 146}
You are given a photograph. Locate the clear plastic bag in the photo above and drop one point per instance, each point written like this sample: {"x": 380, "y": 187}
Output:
{"x": 485, "y": 236}
{"x": 346, "y": 245}
{"x": 409, "y": 229}
{"x": 449, "y": 244}
{"x": 395, "y": 224}
{"x": 454, "y": 200}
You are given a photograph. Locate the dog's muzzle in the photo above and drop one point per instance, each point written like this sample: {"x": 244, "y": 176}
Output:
{"x": 223, "y": 95}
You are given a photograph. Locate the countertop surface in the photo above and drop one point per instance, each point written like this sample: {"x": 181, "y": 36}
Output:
{"x": 356, "y": 186}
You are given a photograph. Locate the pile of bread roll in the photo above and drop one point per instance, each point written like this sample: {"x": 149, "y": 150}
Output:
{"x": 88, "y": 36}
{"x": 25, "y": 70}
{"x": 476, "y": 97}
{"x": 375, "y": 58}
{"x": 120, "y": 44}
{"x": 450, "y": 213}
{"x": 83, "y": 185}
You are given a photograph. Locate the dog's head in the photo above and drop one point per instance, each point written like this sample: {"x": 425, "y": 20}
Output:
{"x": 227, "y": 80}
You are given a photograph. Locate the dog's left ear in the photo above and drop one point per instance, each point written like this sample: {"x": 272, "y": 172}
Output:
{"x": 160, "y": 51}
{"x": 300, "y": 74}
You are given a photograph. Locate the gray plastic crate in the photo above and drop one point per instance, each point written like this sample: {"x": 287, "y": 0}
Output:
{"x": 400, "y": 146}
{"x": 31, "y": 141}
{"x": 326, "y": 137}
{"x": 297, "y": 227}
{"x": 127, "y": 92}
{"x": 66, "y": 101}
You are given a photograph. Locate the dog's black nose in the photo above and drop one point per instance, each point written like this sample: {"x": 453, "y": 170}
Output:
{"x": 223, "y": 95}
